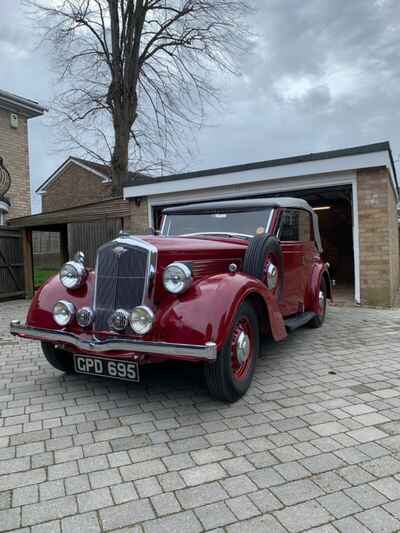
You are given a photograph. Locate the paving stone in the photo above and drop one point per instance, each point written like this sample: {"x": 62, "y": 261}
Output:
{"x": 95, "y": 499}
{"x": 303, "y": 516}
{"x": 330, "y": 482}
{"x": 25, "y": 495}
{"x": 51, "y": 489}
{"x": 148, "y": 487}
{"x": 379, "y": 520}
{"x": 389, "y": 487}
{"x": 355, "y": 475}
{"x": 297, "y": 491}
{"x": 350, "y": 525}
{"x": 124, "y": 492}
{"x": 104, "y": 478}
{"x": 127, "y": 514}
{"x": 165, "y": 504}
{"x": 242, "y": 507}
{"x": 202, "y": 474}
{"x": 367, "y": 434}
{"x": 322, "y": 463}
{"x": 266, "y": 477}
{"x": 366, "y": 496}
{"x": 265, "y": 501}
{"x": 339, "y": 505}
{"x": 82, "y": 523}
{"x": 383, "y": 466}
{"x": 215, "y": 515}
{"x": 201, "y": 495}
{"x": 185, "y": 521}
{"x": 292, "y": 471}
{"x": 142, "y": 470}
{"x": 10, "y": 519}
{"x": 76, "y": 484}
{"x": 49, "y": 510}
{"x": 260, "y": 524}
{"x": 49, "y": 527}
{"x": 239, "y": 485}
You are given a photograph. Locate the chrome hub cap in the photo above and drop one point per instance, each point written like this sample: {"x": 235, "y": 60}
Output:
{"x": 272, "y": 276}
{"x": 242, "y": 347}
{"x": 321, "y": 298}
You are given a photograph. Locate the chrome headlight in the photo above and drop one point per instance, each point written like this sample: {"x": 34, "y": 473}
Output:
{"x": 85, "y": 316}
{"x": 177, "y": 278}
{"x": 72, "y": 275}
{"x": 63, "y": 312}
{"x": 141, "y": 319}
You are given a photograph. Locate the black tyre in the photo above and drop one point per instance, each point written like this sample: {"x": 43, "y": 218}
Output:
{"x": 60, "y": 359}
{"x": 230, "y": 376}
{"x": 264, "y": 253}
{"x": 319, "y": 319}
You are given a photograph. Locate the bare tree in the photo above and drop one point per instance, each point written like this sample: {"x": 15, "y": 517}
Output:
{"x": 135, "y": 75}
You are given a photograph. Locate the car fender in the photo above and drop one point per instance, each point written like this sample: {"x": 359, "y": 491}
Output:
{"x": 312, "y": 301}
{"x": 206, "y": 312}
{"x": 40, "y": 313}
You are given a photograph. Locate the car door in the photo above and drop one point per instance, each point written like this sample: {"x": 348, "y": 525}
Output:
{"x": 294, "y": 232}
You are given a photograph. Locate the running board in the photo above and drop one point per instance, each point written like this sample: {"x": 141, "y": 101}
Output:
{"x": 297, "y": 321}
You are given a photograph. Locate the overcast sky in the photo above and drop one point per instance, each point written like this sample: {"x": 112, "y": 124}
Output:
{"x": 323, "y": 74}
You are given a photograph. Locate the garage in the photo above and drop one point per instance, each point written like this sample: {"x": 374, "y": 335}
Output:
{"x": 354, "y": 191}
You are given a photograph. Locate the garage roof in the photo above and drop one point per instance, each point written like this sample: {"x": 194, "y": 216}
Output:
{"x": 365, "y": 156}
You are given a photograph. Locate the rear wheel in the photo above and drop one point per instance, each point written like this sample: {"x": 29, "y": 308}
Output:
{"x": 58, "y": 358}
{"x": 230, "y": 376}
{"x": 319, "y": 319}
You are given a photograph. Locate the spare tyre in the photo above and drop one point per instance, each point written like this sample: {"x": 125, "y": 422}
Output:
{"x": 264, "y": 260}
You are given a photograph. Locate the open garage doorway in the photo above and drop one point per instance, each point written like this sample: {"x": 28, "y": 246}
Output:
{"x": 334, "y": 207}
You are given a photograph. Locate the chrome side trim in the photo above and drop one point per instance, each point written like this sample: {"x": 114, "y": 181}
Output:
{"x": 207, "y": 351}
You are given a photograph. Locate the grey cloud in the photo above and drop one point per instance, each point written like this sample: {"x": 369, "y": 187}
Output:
{"x": 320, "y": 74}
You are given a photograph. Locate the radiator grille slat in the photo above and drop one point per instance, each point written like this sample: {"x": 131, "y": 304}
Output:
{"x": 120, "y": 280}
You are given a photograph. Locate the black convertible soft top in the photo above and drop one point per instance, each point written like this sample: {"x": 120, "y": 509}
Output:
{"x": 257, "y": 203}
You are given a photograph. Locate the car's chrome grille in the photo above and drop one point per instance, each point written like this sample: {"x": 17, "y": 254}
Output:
{"x": 121, "y": 271}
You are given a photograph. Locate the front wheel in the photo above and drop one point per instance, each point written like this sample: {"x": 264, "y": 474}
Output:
{"x": 58, "y": 358}
{"x": 230, "y": 376}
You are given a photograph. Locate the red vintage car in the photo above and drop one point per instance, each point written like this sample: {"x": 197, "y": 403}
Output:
{"x": 217, "y": 277}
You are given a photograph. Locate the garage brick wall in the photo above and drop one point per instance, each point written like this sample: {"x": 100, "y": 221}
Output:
{"x": 14, "y": 150}
{"x": 379, "y": 237}
{"x": 73, "y": 187}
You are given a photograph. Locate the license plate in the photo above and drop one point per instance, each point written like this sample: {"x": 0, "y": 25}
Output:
{"x": 107, "y": 368}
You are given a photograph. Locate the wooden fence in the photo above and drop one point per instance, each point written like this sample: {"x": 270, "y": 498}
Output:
{"x": 11, "y": 265}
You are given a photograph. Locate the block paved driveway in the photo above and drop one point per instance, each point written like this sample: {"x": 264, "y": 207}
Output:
{"x": 314, "y": 446}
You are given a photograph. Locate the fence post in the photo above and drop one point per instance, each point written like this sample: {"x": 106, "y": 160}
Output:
{"x": 28, "y": 261}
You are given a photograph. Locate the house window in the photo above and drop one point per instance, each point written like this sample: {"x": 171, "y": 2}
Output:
{"x": 295, "y": 225}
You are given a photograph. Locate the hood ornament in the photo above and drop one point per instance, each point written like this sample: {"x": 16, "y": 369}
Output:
{"x": 119, "y": 250}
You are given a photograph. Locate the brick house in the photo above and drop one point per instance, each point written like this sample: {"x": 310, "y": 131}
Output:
{"x": 15, "y": 112}
{"x": 76, "y": 182}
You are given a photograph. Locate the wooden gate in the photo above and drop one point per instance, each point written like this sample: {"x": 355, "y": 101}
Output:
{"x": 88, "y": 236}
{"x": 11, "y": 264}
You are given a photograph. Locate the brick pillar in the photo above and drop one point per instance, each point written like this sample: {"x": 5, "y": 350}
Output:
{"x": 379, "y": 237}
{"x": 138, "y": 221}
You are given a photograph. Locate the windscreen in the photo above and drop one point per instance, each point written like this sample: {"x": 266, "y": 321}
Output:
{"x": 246, "y": 223}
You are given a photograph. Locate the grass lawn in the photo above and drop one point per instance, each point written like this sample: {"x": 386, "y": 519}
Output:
{"x": 41, "y": 275}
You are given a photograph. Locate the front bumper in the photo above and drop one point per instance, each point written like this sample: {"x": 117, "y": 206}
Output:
{"x": 208, "y": 351}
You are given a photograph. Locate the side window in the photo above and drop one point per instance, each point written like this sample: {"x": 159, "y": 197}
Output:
{"x": 295, "y": 225}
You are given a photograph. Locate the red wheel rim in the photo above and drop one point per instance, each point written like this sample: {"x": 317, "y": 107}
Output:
{"x": 271, "y": 260}
{"x": 242, "y": 349}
